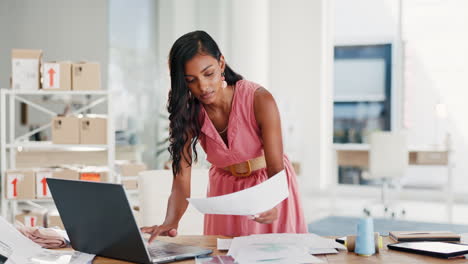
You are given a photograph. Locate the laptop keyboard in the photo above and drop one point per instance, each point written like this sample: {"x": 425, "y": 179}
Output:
{"x": 158, "y": 250}
{"x": 159, "y": 253}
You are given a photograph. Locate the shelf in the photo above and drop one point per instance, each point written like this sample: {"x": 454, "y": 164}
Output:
{"x": 366, "y": 147}
{"x": 8, "y": 119}
{"x": 49, "y": 200}
{"x": 49, "y": 145}
{"x": 351, "y": 146}
{"x": 41, "y": 92}
{"x": 357, "y": 99}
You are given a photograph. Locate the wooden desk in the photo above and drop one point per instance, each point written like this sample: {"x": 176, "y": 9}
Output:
{"x": 386, "y": 255}
{"x": 357, "y": 155}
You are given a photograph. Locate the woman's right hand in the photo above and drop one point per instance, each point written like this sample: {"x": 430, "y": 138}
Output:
{"x": 161, "y": 230}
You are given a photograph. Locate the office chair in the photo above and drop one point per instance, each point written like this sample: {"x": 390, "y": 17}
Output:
{"x": 388, "y": 161}
{"x": 154, "y": 190}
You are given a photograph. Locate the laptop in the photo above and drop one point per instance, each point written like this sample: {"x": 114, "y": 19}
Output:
{"x": 98, "y": 220}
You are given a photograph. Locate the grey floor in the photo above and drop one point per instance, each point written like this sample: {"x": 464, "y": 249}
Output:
{"x": 344, "y": 225}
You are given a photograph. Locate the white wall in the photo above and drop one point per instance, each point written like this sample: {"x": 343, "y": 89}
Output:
{"x": 359, "y": 20}
{"x": 63, "y": 30}
{"x": 250, "y": 43}
{"x": 300, "y": 80}
{"x": 434, "y": 63}
{"x": 435, "y": 72}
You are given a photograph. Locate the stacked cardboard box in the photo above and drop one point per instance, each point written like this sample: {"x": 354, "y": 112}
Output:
{"x": 91, "y": 129}
{"x": 86, "y": 76}
{"x": 57, "y": 76}
{"x": 25, "y": 65}
{"x": 42, "y": 189}
{"x": 129, "y": 171}
{"x": 39, "y": 218}
{"x": 20, "y": 184}
{"x": 32, "y": 218}
{"x": 97, "y": 174}
{"x": 67, "y": 173}
{"x": 32, "y": 183}
{"x": 66, "y": 130}
{"x": 27, "y": 68}
{"x": 54, "y": 220}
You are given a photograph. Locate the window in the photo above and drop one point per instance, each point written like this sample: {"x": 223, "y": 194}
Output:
{"x": 362, "y": 88}
{"x": 362, "y": 96}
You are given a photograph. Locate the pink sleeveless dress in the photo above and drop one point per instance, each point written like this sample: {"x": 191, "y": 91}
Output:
{"x": 245, "y": 143}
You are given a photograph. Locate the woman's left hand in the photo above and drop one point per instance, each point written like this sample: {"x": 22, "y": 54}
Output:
{"x": 267, "y": 217}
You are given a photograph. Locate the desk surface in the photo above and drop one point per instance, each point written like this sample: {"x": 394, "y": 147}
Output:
{"x": 386, "y": 255}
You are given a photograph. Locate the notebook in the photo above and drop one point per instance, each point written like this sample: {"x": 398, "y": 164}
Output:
{"x": 432, "y": 248}
{"x": 409, "y": 236}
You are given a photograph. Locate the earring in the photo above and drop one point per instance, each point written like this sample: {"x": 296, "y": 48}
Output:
{"x": 224, "y": 83}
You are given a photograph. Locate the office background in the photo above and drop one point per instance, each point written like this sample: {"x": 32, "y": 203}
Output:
{"x": 293, "y": 48}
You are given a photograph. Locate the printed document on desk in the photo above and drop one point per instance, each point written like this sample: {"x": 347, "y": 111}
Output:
{"x": 274, "y": 248}
{"x": 18, "y": 249}
{"x": 251, "y": 201}
{"x": 313, "y": 242}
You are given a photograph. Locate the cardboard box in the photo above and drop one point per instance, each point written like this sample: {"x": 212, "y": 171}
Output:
{"x": 25, "y": 69}
{"x": 42, "y": 189}
{"x": 66, "y": 173}
{"x": 20, "y": 184}
{"x": 54, "y": 220}
{"x": 86, "y": 76}
{"x": 129, "y": 168}
{"x": 96, "y": 174}
{"x": 32, "y": 218}
{"x": 65, "y": 130}
{"x": 56, "y": 76}
{"x": 130, "y": 183}
{"x": 93, "y": 130}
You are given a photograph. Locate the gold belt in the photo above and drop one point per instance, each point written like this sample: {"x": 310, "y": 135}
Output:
{"x": 245, "y": 168}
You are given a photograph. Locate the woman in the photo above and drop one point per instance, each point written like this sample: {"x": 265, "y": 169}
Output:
{"x": 238, "y": 125}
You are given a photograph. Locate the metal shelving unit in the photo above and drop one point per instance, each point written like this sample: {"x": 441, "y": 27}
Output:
{"x": 10, "y": 144}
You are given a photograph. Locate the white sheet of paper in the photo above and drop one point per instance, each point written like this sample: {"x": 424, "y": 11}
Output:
{"x": 309, "y": 239}
{"x": 313, "y": 242}
{"x": 48, "y": 256}
{"x": 224, "y": 244}
{"x": 254, "y": 200}
{"x": 271, "y": 248}
{"x": 21, "y": 250}
{"x": 19, "y": 246}
{"x": 275, "y": 253}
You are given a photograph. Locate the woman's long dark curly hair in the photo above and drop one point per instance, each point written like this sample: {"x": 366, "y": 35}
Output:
{"x": 183, "y": 108}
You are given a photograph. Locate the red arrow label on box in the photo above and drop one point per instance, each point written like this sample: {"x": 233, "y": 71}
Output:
{"x": 44, "y": 186}
{"x": 15, "y": 193}
{"x": 51, "y": 77}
